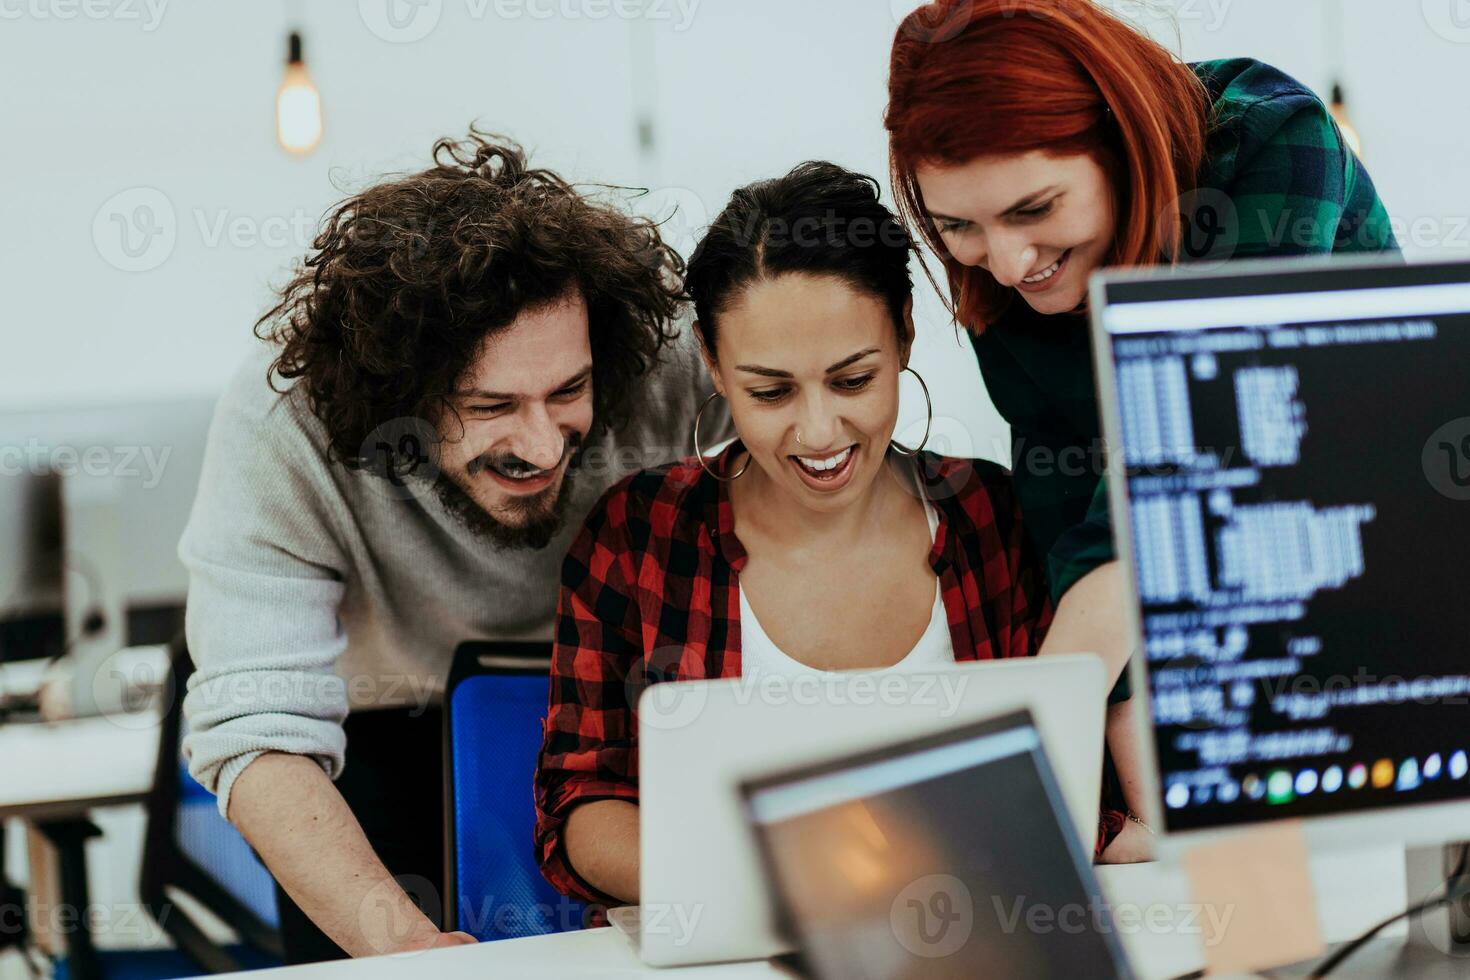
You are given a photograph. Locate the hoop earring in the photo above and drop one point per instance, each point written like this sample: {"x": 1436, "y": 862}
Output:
{"x": 928, "y": 422}
{"x": 699, "y": 453}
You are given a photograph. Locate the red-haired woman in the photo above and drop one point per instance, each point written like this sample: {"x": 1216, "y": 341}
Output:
{"x": 1034, "y": 141}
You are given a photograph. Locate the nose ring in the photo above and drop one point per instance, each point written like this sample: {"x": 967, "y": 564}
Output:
{"x": 798, "y": 438}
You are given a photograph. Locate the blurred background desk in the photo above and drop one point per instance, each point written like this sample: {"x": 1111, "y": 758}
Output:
{"x": 64, "y": 770}
{"x": 55, "y": 776}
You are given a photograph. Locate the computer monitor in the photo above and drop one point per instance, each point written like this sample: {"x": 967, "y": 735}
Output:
{"x": 1289, "y": 468}
{"x": 147, "y": 456}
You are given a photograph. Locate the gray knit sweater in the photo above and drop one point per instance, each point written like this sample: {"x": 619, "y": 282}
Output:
{"x": 314, "y": 588}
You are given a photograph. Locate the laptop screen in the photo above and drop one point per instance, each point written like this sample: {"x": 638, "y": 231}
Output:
{"x": 949, "y": 856}
{"x": 1296, "y": 447}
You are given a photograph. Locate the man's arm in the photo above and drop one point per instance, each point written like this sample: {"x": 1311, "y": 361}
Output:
{"x": 298, "y": 823}
{"x": 265, "y": 704}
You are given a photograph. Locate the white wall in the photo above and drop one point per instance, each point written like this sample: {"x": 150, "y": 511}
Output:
{"x": 737, "y": 89}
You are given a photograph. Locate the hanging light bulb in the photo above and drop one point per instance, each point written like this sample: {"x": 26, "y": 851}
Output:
{"x": 1344, "y": 123}
{"x": 298, "y": 105}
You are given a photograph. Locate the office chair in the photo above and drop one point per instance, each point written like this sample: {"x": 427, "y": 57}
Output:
{"x": 189, "y": 848}
{"x": 494, "y": 707}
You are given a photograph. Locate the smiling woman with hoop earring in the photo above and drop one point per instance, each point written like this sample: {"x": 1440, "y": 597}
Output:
{"x": 813, "y": 542}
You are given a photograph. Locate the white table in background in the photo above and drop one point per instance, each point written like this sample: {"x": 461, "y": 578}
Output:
{"x": 55, "y": 774}
{"x": 67, "y": 768}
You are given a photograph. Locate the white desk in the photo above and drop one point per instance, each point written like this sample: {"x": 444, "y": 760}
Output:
{"x": 1355, "y": 892}
{"x": 67, "y": 768}
{"x": 56, "y": 773}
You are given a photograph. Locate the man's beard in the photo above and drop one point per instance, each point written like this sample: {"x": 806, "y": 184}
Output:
{"x": 543, "y": 515}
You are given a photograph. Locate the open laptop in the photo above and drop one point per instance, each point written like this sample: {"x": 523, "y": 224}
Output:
{"x": 702, "y": 894}
{"x": 943, "y": 858}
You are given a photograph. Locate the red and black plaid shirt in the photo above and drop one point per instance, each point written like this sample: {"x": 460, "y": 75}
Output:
{"x": 650, "y": 592}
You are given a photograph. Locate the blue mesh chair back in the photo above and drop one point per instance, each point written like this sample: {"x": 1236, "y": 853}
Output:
{"x": 214, "y": 845}
{"x": 495, "y": 706}
{"x": 188, "y": 847}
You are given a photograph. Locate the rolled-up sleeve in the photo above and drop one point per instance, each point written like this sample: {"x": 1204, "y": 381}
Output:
{"x": 590, "y": 750}
{"x": 265, "y": 585}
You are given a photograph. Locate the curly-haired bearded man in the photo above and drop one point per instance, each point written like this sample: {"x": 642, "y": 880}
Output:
{"x": 468, "y": 358}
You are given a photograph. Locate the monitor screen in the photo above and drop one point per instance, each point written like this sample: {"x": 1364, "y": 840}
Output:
{"x": 1297, "y": 457}
{"x": 951, "y": 856}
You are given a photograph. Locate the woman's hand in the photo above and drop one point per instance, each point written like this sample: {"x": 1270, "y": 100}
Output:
{"x": 1133, "y": 845}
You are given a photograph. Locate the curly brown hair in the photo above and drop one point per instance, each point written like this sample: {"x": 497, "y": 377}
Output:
{"x": 407, "y": 279}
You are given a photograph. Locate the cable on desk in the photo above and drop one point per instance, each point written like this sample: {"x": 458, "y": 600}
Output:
{"x": 1457, "y": 889}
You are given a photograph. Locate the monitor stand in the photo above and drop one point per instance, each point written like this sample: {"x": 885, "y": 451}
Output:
{"x": 1447, "y": 929}
{"x": 1437, "y": 944}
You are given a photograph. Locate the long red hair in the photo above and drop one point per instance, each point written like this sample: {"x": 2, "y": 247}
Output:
{"x": 973, "y": 78}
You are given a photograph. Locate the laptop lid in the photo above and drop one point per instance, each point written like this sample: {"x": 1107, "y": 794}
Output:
{"x": 702, "y": 892}
{"x": 948, "y": 856}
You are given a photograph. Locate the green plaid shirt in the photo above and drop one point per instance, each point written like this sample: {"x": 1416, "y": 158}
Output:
{"x": 1275, "y": 154}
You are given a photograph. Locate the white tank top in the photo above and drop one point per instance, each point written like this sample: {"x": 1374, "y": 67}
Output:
{"x": 760, "y": 657}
